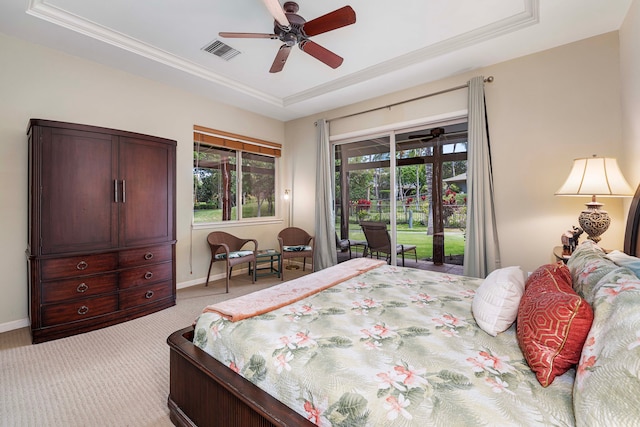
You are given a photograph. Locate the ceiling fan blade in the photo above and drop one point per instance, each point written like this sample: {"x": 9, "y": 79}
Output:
{"x": 337, "y": 19}
{"x": 247, "y": 35}
{"x": 281, "y": 58}
{"x": 276, "y": 11}
{"x": 320, "y": 53}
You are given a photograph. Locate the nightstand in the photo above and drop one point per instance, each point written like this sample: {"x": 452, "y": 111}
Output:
{"x": 561, "y": 254}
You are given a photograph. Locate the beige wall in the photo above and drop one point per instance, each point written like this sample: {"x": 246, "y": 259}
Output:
{"x": 544, "y": 110}
{"x": 630, "y": 71}
{"x": 37, "y": 82}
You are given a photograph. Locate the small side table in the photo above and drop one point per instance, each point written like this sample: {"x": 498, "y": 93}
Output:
{"x": 268, "y": 262}
{"x": 561, "y": 254}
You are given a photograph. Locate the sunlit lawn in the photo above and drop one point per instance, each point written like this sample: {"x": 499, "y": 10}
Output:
{"x": 249, "y": 210}
{"x": 453, "y": 238}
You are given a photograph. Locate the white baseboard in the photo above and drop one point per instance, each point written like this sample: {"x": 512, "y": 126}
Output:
{"x": 16, "y": 324}
{"x": 214, "y": 277}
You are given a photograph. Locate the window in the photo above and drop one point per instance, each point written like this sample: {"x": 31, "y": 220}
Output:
{"x": 233, "y": 177}
{"x": 430, "y": 188}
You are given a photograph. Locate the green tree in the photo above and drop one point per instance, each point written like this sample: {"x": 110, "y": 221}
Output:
{"x": 203, "y": 183}
{"x": 360, "y": 183}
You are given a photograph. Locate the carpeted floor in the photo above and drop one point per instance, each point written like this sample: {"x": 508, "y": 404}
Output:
{"x": 116, "y": 376}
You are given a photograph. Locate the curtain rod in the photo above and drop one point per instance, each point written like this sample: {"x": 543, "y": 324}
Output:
{"x": 440, "y": 92}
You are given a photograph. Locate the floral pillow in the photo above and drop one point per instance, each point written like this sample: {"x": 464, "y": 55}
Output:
{"x": 553, "y": 322}
{"x": 588, "y": 265}
{"x": 607, "y": 383}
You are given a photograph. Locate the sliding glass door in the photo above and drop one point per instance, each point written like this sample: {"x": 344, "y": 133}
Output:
{"x": 362, "y": 185}
{"x": 414, "y": 181}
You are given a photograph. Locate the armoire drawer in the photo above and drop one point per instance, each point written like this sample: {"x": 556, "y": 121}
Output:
{"x": 144, "y": 256}
{"x": 82, "y": 309}
{"x": 78, "y": 265}
{"x": 81, "y": 287}
{"x": 146, "y": 275}
{"x": 144, "y": 295}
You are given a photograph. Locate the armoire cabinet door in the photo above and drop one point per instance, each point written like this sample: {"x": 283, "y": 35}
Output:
{"x": 77, "y": 191}
{"x": 146, "y": 174}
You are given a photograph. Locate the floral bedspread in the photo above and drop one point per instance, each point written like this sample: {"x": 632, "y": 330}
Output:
{"x": 392, "y": 347}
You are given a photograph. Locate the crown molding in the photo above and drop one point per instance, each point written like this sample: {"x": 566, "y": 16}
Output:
{"x": 529, "y": 16}
{"x": 41, "y": 9}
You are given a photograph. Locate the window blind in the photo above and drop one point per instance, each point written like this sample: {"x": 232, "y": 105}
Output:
{"x": 217, "y": 138}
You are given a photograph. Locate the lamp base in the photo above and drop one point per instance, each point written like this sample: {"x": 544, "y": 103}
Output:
{"x": 594, "y": 221}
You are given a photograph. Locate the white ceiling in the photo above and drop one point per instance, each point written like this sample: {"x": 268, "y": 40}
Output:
{"x": 392, "y": 46}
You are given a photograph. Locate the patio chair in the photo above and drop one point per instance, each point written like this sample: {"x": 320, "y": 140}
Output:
{"x": 296, "y": 243}
{"x": 346, "y": 244}
{"x": 228, "y": 248}
{"x": 379, "y": 241}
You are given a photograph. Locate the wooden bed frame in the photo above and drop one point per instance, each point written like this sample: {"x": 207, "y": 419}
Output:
{"x": 204, "y": 392}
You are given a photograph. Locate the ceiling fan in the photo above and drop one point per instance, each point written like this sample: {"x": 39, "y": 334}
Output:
{"x": 433, "y": 133}
{"x": 437, "y": 136}
{"x": 292, "y": 29}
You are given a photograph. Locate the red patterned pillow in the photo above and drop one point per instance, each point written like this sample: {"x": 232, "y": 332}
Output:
{"x": 553, "y": 322}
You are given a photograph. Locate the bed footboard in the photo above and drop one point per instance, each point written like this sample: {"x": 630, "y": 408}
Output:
{"x": 204, "y": 392}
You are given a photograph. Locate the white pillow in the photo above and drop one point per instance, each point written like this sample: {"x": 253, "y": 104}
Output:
{"x": 624, "y": 260}
{"x": 495, "y": 304}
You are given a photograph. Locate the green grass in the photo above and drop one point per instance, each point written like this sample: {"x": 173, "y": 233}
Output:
{"x": 209, "y": 215}
{"x": 249, "y": 210}
{"x": 453, "y": 240}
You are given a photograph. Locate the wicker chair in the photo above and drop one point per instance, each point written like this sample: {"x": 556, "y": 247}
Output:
{"x": 296, "y": 243}
{"x": 379, "y": 241}
{"x": 228, "y": 248}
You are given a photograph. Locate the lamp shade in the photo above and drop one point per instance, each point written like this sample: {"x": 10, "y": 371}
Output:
{"x": 595, "y": 176}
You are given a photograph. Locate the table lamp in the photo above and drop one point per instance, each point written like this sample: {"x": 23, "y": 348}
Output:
{"x": 595, "y": 176}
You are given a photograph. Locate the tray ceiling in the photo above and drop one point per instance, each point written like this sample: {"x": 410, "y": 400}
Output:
{"x": 392, "y": 45}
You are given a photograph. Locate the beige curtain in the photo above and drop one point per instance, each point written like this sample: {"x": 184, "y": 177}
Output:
{"x": 325, "y": 242}
{"x": 481, "y": 251}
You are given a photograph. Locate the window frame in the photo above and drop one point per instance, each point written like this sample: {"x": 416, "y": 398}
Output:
{"x": 238, "y": 144}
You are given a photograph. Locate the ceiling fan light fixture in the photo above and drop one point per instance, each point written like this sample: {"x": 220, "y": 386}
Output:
{"x": 290, "y": 39}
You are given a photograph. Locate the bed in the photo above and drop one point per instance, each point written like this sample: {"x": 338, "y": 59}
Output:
{"x": 364, "y": 343}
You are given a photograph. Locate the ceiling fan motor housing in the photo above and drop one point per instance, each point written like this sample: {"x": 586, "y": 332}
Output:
{"x": 292, "y": 29}
{"x": 293, "y": 34}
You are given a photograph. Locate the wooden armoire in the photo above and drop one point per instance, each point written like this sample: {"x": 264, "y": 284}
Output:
{"x": 101, "y": 239}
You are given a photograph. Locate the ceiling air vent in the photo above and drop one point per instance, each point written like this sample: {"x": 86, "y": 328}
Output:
{"x": 220, "y": 49}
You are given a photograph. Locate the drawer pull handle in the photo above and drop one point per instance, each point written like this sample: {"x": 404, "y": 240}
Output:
{"x": 82, "y": 265}
{"x": 83, "y": 310}
{"x": 148, "y": 295}
{"x": 148, "y": 256}
{"x": 148, "y": 275}
{"x": 82, "y": 287}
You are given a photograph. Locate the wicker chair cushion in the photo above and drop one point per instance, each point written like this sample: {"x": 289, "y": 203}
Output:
{"x": 298, "y": 248}
{"x": 234, "y": 254}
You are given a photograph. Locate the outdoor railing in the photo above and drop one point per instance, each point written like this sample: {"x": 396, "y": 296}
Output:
{"x": 455, "y": 216}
